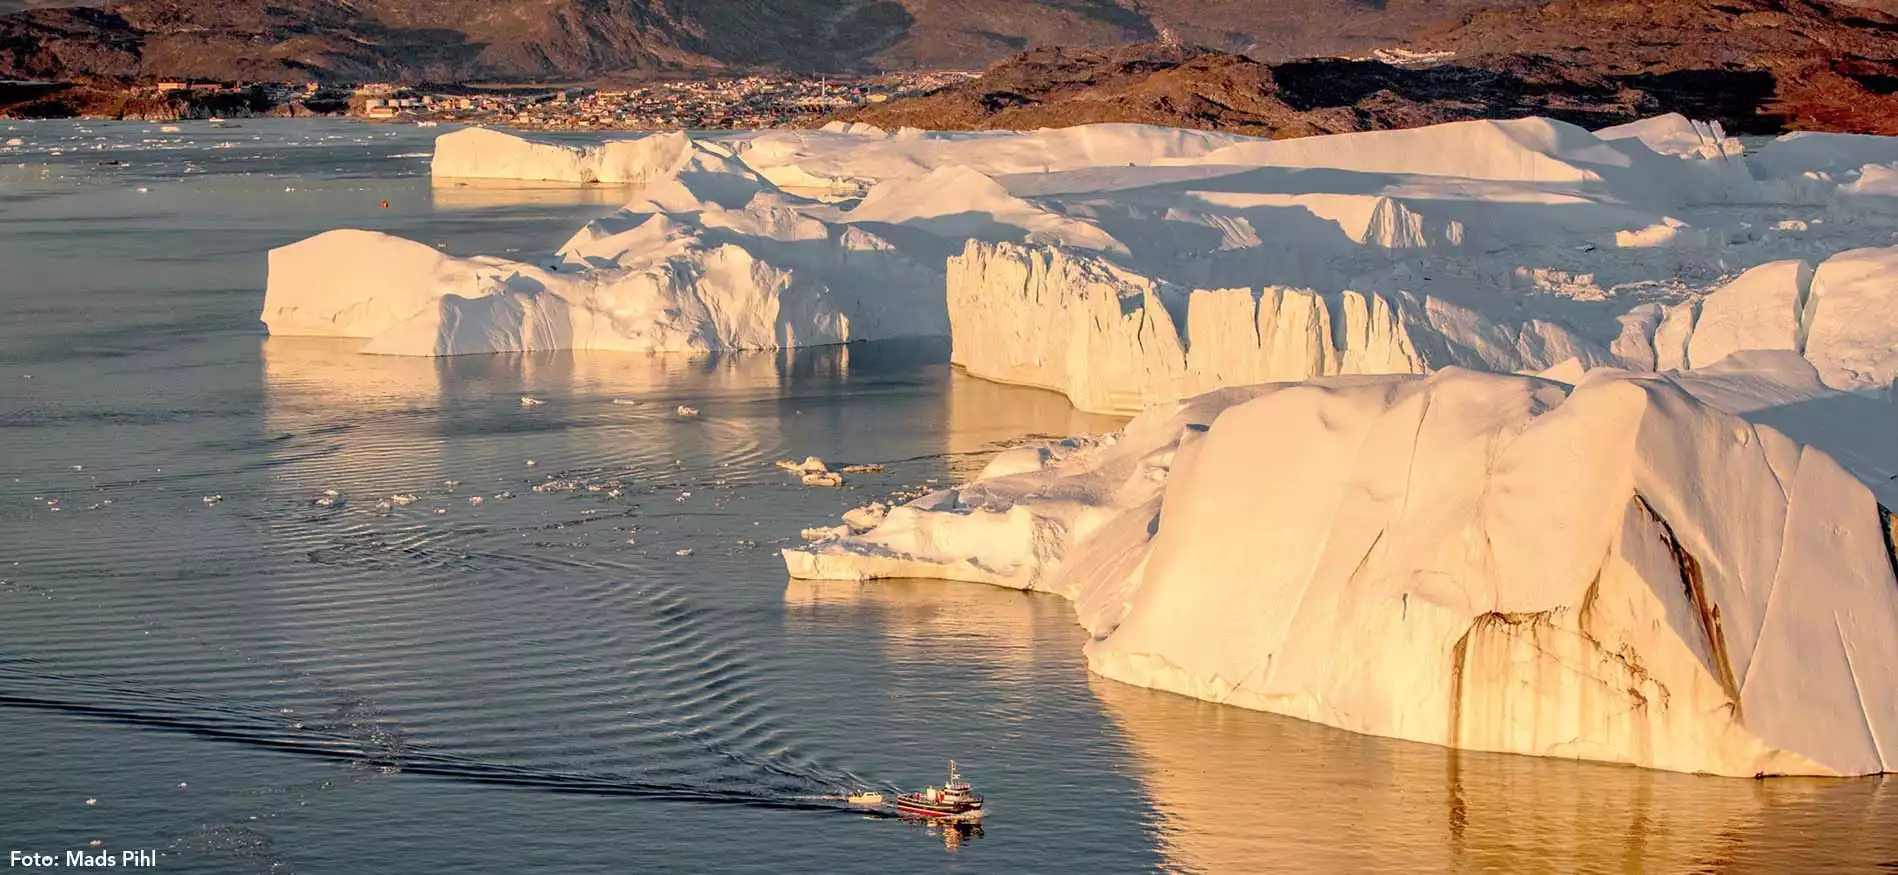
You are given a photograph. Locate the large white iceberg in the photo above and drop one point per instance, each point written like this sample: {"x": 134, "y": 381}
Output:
{"x": 1128, "y": 264}
{"x": 1613, "y": 571}
{"x": 846, "y": 158}
{"x": 1116, "y": 341}
{"x": 839, "y": 158}
{"x": 675, "y": 271}
{"x": 485, "y": 153}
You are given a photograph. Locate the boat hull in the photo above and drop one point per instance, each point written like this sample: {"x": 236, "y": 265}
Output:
{"x": 936, "y": 812}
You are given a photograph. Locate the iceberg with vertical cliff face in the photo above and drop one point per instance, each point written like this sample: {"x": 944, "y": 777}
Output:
{"x": 1114, "y": 340}
{"x": 1615, "y": 570}
{"x": 1118, "y": 340}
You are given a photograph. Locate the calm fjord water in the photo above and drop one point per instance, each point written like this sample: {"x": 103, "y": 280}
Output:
{"x": 249, "y": 681}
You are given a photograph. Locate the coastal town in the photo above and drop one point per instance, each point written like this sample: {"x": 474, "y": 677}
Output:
{"x": 742, "y": 102}
{"x": 700, "y": 104}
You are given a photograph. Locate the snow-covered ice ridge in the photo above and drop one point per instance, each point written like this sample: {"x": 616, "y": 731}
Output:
{"x": 1630, "y": 568}
{"x": 1152, "y": 263}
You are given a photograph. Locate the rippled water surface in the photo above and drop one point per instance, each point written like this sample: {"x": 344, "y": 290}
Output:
{"x": 249, "y": 679}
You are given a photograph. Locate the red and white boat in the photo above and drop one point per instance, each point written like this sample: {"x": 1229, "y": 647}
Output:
{"x": 953, "y": 801}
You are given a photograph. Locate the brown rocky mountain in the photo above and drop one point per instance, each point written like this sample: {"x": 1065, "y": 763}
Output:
{"x": 437, "y": 40}
{"x": 1756, "y": 65}
{"x": 1816, "y": 65}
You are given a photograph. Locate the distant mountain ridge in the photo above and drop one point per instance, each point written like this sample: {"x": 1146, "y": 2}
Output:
{"x": 550, "y": 40}
{"x": 1758, "y": 66}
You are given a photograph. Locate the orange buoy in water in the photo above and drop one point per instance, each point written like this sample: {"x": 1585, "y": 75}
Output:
{"x": 385, "y": 205}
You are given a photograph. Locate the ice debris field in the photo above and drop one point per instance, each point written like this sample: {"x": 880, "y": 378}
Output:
{"x": 1502, "y": 435}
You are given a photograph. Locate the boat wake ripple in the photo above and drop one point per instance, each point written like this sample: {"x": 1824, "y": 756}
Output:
{"x": 265, "y": 734}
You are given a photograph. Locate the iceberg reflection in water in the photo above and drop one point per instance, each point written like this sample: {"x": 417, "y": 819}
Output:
{"x": 1233, "y": 790}
{"x": 1233, "y": 787}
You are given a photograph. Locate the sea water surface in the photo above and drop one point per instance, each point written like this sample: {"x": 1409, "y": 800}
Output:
{"x": 269, "y": 605}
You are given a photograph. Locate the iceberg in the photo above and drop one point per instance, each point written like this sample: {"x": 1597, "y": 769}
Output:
{"x": 1612, "y": 570}
{"x": 848, "y": 159}
{"x": 696, "y": 294}
{"x": 1678, "y": 135}
{"x": 485, "y": 153}
{"x": 1127, "y": 265}
{"x": 838, "y": 158}
{"x": 1872, "y": 197}
{"x": 699, "y": 261}
{"x": 1116, "y": 341}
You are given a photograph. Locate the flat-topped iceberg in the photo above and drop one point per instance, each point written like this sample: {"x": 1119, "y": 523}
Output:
{"x": 1615, "y": 570}
{"x": 485, "y": 153}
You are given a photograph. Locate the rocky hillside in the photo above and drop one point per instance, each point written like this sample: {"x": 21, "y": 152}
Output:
{"x": 1756, "y": 65}
{"x": 438, "y": 40}
{"x": 1809, "y": 64}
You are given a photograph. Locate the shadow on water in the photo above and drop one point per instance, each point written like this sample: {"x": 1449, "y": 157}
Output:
{"x": 1233, "y": 787}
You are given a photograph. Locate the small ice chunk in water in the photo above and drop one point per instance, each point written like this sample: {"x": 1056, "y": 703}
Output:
{"x": 688, "y": 411}
{"x": 403, "y": 498}
{"x": 531, "y": 401}
{"x": 813, "y": 472}
{"x": 866, "y": 517}
{"x": 824, "y": 533}
{"x": 531, "y": 463}
{"x": 474, "y": 499}
{"x": 684, "y": 552}
{"x": 213, "y": 499}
